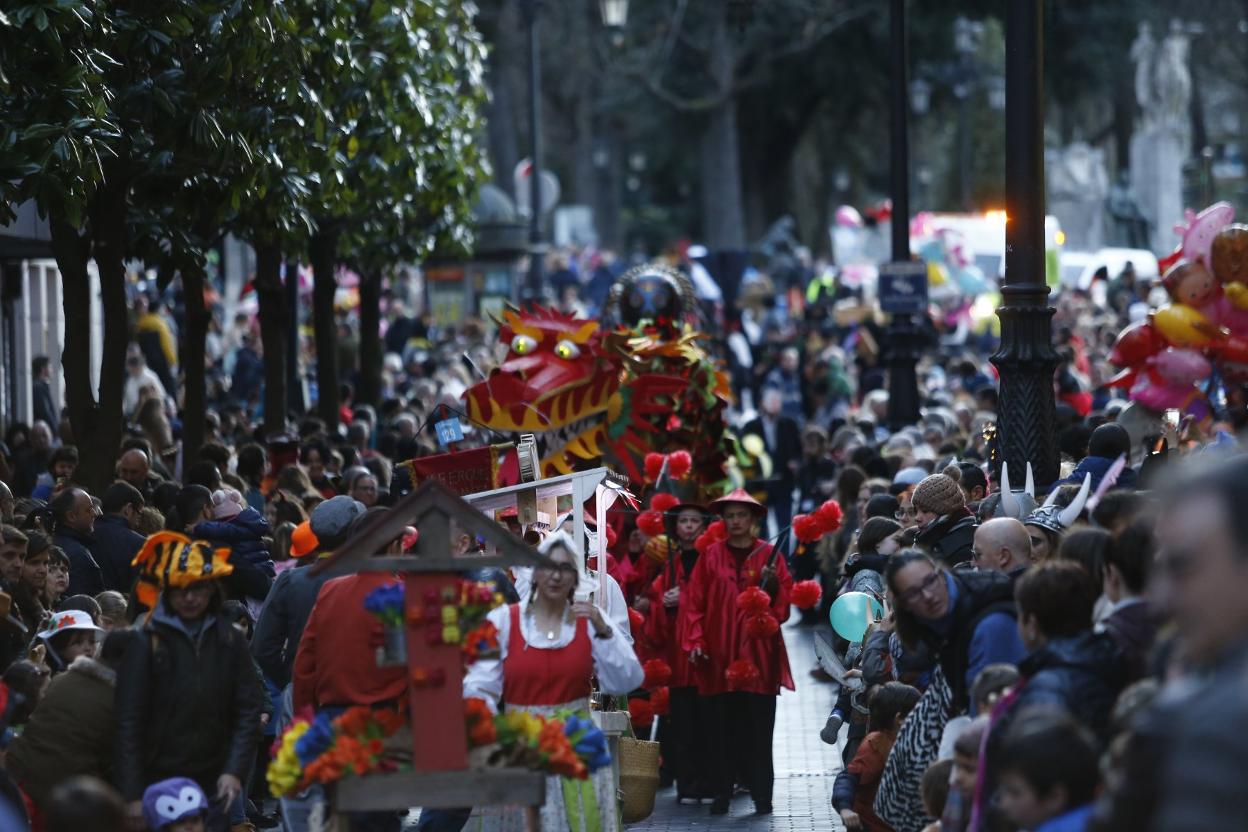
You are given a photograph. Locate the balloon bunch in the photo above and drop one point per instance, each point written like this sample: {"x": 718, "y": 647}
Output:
{"x": 1204, "y": 327}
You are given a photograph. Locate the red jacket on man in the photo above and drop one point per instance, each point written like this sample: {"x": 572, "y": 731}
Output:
{"x": 709, "y": 619}
{"x": 337, "y": 659}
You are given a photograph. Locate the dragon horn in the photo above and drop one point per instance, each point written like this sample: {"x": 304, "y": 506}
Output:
{"x": 1009, "y": 503}
{"x": 1071, "y": 513}
{"x": 1030, "y": 487}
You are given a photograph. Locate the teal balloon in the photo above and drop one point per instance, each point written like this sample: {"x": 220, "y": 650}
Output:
{"x": 849, "y": 614}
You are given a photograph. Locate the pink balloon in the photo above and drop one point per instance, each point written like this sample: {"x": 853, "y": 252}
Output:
{"x": 1230, "y": 316}
{"x": 1180, "y": 366}
{"x": 1198, "y": 230}
{"x": 847, "y": 216}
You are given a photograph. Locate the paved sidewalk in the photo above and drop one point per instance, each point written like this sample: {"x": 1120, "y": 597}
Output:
{"x": 805, "y": 767}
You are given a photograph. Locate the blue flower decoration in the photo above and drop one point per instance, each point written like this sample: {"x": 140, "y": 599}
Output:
{"x": 316, "y": 740}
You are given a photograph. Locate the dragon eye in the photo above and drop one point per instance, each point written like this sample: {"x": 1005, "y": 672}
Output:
{"x": 523, "y": 345}
{"x": 567, "y": 350}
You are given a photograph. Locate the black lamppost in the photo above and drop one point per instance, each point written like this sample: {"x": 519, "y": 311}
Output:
{"x": 1026, "y": 358}
{"x": 904, "y": 338}
{"x": 537, "y": 249}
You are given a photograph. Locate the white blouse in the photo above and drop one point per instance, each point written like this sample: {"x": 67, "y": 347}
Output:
{"x": 616, "y": 610}
{"x": 615, "y": 664}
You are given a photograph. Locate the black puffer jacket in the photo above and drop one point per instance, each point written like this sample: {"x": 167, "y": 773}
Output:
{"x": 1082, "y": 674}
{"x": 950, "y": 538}
{"x": 186, "y": 707}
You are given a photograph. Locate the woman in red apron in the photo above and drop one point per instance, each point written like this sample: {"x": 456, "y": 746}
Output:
{"x": 553, "y": 644}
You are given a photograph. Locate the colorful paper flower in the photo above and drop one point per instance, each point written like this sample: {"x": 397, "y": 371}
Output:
{"x": 650, "y": 522}
{"x": 830, "y": 515}
{"x": 640, "y": 711}
{"x": 658, "y": 674}
{"x": 807, "y": 528}
{"x": 660, "y": 701}
{"x": 741, "y": 674}
{"x": 386, "y": 602}
{"x": 679, "y": 464}
{"x": 806, "y": 594}
{"x": 762, "y": 625}
{"x": 753, "y": 601}
{"x": 653, "y": 465}
{"x": 661, "y": 501}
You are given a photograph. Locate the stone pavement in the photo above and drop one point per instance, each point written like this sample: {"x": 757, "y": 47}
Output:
{"x": 805, "y": 767}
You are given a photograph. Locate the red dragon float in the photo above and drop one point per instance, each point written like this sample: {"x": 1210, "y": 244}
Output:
{"x": 593, "y": 395}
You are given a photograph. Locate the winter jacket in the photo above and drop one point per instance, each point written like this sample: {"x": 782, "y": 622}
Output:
{"x": 282, "y": 619}
{"x": 1082, "y": 674}
{"x": 865, "y": 573}
{"x": 950, "y": 538}
{"x": 978, "y": 630}
{"x": 244, "y": 537}
{"x": 244, "y": 534}
{"x": 114, "y": 548}
{"x": 188, "y": 705}
{"x": 856, "y": 785}
{"x": 85, "y": 577}
{"x": 1097, "y": 466}
{"x": 1133, "y": 628}
{"x": 69, "y": 734}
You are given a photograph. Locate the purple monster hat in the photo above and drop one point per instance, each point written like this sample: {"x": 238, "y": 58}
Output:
{"x": 169, "y": 801}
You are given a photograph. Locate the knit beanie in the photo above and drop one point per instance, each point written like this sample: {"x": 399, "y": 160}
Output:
{"x": 938, "y": 494}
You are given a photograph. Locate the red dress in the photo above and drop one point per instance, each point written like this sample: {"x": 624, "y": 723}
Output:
{"x": 663, "y": 635}
{"x": 709, "y": 620}
{"x": 546, "y": 677}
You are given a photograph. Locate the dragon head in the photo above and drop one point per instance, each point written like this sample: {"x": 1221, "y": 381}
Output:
{"x": 555, "y": 383}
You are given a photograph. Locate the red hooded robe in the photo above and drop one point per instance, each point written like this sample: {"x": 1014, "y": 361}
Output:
{"x": 709, "y": 619}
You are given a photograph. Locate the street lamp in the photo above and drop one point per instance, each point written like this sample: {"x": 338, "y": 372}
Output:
{"x": 537, "y": 250}
{"x": 1027, "y": 419}
{"x": 614, "y": 13}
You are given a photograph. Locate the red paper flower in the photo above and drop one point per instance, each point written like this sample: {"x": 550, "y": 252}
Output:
{"x": 717, "y": 530}
{"x": 806, "y": 594}
{"x": 660, "y": 701}
{"x": 658, "y": 674}
{"x": 762, "y": 625}
{"x": 740, "y": 674}
{"x": 679, "y": 464}
{"x": 753, "y": 601}
{"x": 612, "y": 538}
{"x": 662, "y": 501}
{"x": 641, "y": 712}
{"x": 635, "y": 622}
{"x": 830, "y": 515}
{"x": 807, "y": 528}
{"x": 650, "y": 522}
{"x": 703, "y": 542}
{"x": 654, "y": 465}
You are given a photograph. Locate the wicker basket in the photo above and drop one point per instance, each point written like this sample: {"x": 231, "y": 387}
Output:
{"x": 639, "y": 777}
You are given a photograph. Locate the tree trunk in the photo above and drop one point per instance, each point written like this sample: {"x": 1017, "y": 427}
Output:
{"x": 321, "y": 251}
{"x": 194, "y": 408}
{"x": 72, "y": 250}
{"x": 722, "y": 208}
{"x": 273, "y": 324}
{"x": 96, "y": 425}
{"x": 370, "y": 338}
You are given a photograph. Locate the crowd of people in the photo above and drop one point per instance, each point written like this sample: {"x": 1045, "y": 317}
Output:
{"x": 1050, "y": 656}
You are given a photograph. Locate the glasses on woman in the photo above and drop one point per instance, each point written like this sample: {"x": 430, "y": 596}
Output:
{"x": 915, "y": 592}
{"x": 564, "y": 570}
{"x": 903, "y": 513}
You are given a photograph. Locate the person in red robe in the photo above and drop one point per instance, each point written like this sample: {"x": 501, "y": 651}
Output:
{"x": 741, "y": 711}
{"x": 683, "y": 732}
